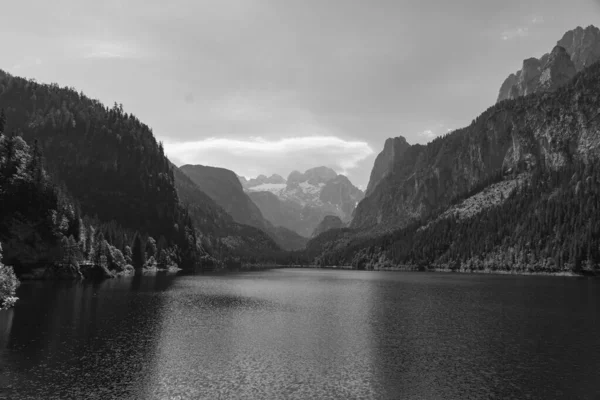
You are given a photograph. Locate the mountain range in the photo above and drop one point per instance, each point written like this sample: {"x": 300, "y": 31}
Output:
{"x": 224, "y": 188}
{"x": 302, "y": 201}
{"x": 475, "y": 198}
{"x": 86, "y": 189}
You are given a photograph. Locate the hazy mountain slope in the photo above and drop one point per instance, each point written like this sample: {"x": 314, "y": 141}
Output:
{"x": 288, "y": 213}
{"x": 224, "y": 188}
{"x": 216, "y": 227}
{"x": 329, "y": 222}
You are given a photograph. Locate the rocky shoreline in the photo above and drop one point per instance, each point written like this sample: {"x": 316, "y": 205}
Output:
{"x": 409, "y": 268}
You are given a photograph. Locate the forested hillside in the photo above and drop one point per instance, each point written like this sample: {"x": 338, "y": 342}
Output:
{"x": 550, "y": 221}
{"x": 109, "y": 174}
{"x": 42, "y": 227}
{"x": 225, "y": 189}
{"x": 106, "y": 159}
{"x": 218, "y": 234}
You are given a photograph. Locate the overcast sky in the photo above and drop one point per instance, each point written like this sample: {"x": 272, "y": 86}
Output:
{"x": 269, "y": 86}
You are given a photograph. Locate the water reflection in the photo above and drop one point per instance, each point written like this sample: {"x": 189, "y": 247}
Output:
{"x": 257, "y": 336}
{"x": 80, "y": 340}
{"x": 469, "y": 336}
{"x": 303, "y": 334}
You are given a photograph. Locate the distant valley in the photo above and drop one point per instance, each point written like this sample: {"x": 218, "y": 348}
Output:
{"x": 87, "y": 190}
{"x": 301, "y": 202}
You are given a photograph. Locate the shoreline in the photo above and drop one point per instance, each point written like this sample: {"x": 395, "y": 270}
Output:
{"x": 569, "y": 274}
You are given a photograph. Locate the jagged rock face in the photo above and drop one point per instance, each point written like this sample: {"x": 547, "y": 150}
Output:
{"x": 512, "y": 136}
{"x": 313, "y": 176}
{"x": 529, "y": 77}
{"x": 577, "y": 49}
{"x": 559, "y": 70}
{"x": 306, "y": 198}
{"x": 261, "y": 180}
{"x": 583, "y": 45}
{"x": 393, "y": 148}
{"x": 328, "y": 223}
{"x": 505, "y": 89}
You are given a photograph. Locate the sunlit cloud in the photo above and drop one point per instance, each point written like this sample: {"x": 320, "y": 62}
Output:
{"x": 257, "y": 155}
{"x": 537, "y": 20}
{"x": 433, "y": 132}
{"x": 109, "y": 49}
{"x": 523, "y": 31}
{"x": 515, "y": 33}
{"x": 428, "y": 134}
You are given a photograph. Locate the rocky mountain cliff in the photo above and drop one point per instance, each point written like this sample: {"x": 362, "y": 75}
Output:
{"x": 302, "y": 201}
{"x": 393, "y": 149}
{"x": 583, "y": 45}
{"x": 546, "y": 130}
{"x": 576, "y": 50}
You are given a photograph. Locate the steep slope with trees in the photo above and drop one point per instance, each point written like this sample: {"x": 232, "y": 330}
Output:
{"x": 107, "y": 159}
{"x": 546, "y": 130}
{"x": 545, "y": 147}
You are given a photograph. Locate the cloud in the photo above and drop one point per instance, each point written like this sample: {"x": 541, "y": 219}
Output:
{"x": 515, "y": 33}
{"x": 428, "y": 133}
{"x": 257, "y": 155}
{"x": 433, "y": 132}
{"x": 523, "y": 31}
{"x": 108, "y": 49}
{"x": 537, "y": 20}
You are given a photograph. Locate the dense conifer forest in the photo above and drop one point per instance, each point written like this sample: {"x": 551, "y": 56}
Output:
{"x": 550, "y": 223}
{"x": 84, "y": 184}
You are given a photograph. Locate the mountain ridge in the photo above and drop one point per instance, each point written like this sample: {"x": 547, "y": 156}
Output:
{"x": 577, "y": 49}
{"x": 302, "y": 201}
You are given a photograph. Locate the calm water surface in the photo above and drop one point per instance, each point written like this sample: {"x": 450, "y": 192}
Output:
{"x": 304, "y": 334}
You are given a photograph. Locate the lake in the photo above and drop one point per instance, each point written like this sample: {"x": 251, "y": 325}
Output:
{"x": 304, "y": 333}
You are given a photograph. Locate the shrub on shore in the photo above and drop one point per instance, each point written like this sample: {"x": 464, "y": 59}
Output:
{"x": 8, "y": 285}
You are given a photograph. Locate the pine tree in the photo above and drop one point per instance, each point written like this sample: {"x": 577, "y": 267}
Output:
{"x": 138, "y": 254}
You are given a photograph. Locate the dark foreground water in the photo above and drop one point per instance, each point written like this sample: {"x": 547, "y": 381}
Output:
{"x": 304, "y": 334}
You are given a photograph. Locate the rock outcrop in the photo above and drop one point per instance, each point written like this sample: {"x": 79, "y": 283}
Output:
{"x": 558, "y": 70}
{"x": 393, "y": 149}
{"x": 577, "y": 50}
{"x": 583, "y": 45}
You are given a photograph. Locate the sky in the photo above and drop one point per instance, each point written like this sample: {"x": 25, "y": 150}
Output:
{"x": 272, "y": 86}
